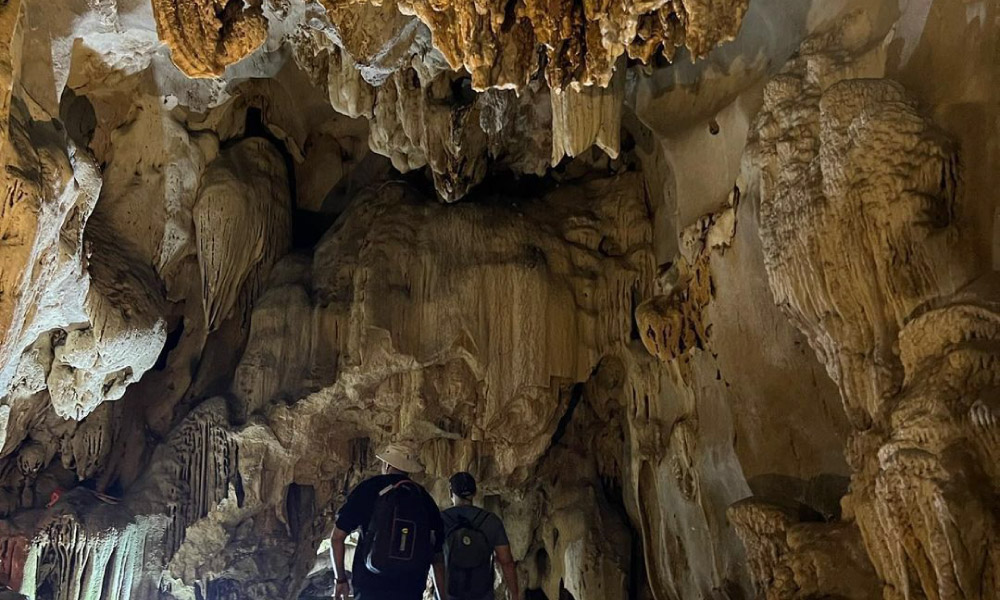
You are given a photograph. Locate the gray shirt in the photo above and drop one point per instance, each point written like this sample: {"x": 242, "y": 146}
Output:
{"x": 491, "y": 526}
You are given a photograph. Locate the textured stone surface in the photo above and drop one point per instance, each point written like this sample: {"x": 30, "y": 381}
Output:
{"x": 498, "y": 43}
{"x": 205, "y": 36}
{"x": 866, "y": 171}
{"x": 716, "y": 328}
{"x": 546, "y": 254}
{"x": 242, "y": 226}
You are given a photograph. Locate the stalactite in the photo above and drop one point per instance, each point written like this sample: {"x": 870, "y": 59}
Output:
{"x": 226, "y": 282}
{"x": 71, "y": 559}
{"x": 243, "y": 197}
{"x": 205, "y": 36}
{"x": 190, "y": 474}
{"x": 499, "y": 43}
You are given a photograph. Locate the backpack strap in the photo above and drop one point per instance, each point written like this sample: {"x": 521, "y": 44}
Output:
{"x": 478, "y": 523}
{"x": 393, "y": 486}
{"x": 480, "y": 519}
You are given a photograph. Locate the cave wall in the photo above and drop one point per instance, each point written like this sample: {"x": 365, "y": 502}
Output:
{"x": 702, "y": 292}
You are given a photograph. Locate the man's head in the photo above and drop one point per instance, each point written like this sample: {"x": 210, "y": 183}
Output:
{"x": 400, "y": 458}
{"x": 463, "y": 487}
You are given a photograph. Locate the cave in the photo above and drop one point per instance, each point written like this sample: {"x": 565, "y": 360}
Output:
{"x": 702, "y": 292}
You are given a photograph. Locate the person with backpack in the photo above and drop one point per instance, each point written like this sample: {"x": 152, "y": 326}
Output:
{"x": 474, "y": 537}
{"x": 402, "y": 534}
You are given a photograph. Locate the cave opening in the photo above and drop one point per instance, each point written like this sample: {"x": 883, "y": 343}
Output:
{"x": 173, "y": 339}
{"x": 564, "y": 594}
{"x": 575, "y": 396}
{"x": 77, "y": 115}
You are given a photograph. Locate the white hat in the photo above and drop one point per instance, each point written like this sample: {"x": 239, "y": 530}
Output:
{"x": 403, "y": 457}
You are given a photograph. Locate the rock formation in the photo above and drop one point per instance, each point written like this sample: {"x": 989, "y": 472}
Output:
{"x": 206, "y": 37}
{"x": 870, "y": 173}
{"x": 498, "y": 43}
{"x": 703, "y": 293}
{"x": 243, "y": 196}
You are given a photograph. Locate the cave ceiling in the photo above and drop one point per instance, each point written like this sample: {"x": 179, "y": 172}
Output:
{"x": 704, "y": 292}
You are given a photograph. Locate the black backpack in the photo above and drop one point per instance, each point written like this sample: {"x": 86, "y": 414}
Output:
{"x": 399, "y": 541}
{"x": 469, "y": 555}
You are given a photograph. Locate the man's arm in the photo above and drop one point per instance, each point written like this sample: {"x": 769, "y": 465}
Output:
{"x": 439, "y": 573}
{"x": 349, "y": 518}
{"x": 337, "y": 551}
{"x": 440, "y": 577}
{"x": 506, "y": 560}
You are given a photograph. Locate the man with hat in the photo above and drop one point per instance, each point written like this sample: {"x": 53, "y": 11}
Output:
{"x": 393, "y": 570}
{"x": 474, "y": 538}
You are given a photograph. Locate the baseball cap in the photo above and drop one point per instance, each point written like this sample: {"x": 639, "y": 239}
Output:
{"x": 463, "y": 484}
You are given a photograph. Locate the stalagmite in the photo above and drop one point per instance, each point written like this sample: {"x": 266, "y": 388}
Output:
{"x": 874, "y": 177}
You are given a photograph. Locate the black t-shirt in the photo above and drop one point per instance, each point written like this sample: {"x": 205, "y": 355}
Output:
{"x": 357, "y": 512}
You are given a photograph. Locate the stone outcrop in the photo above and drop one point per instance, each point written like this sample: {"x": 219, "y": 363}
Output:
{"x": 242, "y": 225}
{"x": 565, "y": 251}
{"x": 792, "y": 553}
{"x": 935, "y": 471}
{"x": 704, "y": 321}
{"x": 499, "y": 43}
{"x": 867, "y": 172}
{"x": 106, "y": 310}
{"x": 205, "y": 36}
{"x": 841, "y": 186}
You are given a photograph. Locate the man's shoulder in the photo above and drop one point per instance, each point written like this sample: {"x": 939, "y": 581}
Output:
{"x": 450, "y": 515}
{"x": 492, "y": 524}
{"x": 472, "y": 513}
{"x": 373, "y": 485}
{"x": 367, "y": 484}
{"x": 494, "y": 520}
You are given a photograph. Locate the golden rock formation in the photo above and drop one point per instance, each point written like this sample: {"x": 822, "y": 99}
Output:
{"x": 243, "y": 197}
{"x": 861, "y": 247}
{"x": 721, "y": 329}
{"x": 793, "y": 554}
{"x": 500, "y": 43}
{"x": 546, "y": 257}
{"x": 206, "y": 36}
